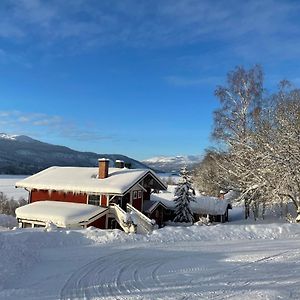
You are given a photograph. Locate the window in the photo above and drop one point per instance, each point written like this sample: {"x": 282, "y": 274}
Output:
{"x": 117, "y": 200}
{"x": 38, "y": 225}
{"x": 94, "y": 200}
{"x": 26, "y": 225}
{"x": 140, "y": 194}
{"x": 134, "y": 194}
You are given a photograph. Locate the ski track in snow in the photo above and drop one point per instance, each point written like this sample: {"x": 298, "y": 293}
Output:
{"x": 133, "y": 274}
{"x": 217, "y": 262}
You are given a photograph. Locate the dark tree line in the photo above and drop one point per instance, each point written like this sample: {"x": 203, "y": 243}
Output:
{"x": 8, "y": 206}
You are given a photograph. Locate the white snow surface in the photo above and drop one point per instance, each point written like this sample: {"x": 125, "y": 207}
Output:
{"x": 188, "y": 159}
{"x": 6, "y": 136}
{"x": 80, "y": 179}
{"x": 7, "y": 186}
{"x": 202, "y": 204}
{"x": 62, "y": 214}
{"x": 233, "y": 261}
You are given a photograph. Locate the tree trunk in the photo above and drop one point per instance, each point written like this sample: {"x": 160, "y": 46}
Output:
{"x": 263, "y": 210}
{"x": 247, "y": 209}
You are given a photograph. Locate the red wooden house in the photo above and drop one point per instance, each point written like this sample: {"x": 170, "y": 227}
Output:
{"x": 77, "y": 197}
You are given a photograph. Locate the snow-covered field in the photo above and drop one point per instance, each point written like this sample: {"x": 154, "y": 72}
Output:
{"x": 237, "y": 260}
{"x": 7, "y": 186}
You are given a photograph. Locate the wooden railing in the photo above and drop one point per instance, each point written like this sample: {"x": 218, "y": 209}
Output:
{"x": 144, "y": 224}
{"x": 119, "y": 214}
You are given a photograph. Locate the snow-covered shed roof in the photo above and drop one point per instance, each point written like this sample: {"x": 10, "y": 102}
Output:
{"x": 62, "y": 214}
{"x": 84, "y": 180}
{"x": 150, "y": 206}
{"x": 202, "y": 205}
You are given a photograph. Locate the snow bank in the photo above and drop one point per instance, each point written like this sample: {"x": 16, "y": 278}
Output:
{"x": 225, "y": 232}
{"x": 8, "y": 221}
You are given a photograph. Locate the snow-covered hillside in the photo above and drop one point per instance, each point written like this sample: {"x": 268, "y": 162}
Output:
{"x": 172, "y": 163}
{"x": 238, "y": 261}
{"x": 6, "y": 136}
{"x": 20, "y": 154}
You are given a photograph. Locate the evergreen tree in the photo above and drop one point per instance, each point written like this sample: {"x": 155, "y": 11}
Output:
{"x": 184, "y": 194}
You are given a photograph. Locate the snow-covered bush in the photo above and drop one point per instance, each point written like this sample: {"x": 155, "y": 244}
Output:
{"x": 203, "y": 221}
{"x": 50, "y": 226}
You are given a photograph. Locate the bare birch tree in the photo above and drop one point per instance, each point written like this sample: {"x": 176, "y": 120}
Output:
{"x": 259, "y": 138}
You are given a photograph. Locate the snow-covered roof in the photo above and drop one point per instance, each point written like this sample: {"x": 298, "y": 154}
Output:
{"x": 62, "y": 214}
{"x": 150, "y": 206}
{"x": 84, "y": 180}
{"x": 202, "y": 205}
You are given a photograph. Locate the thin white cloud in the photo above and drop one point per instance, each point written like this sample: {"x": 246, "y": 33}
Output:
{"x": 248, "y": 32}
{"x": 145, "y": 23}
{"x": 34, "y": 124}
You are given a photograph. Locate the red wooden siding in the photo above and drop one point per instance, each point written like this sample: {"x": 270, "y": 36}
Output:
{"x": 103, "y": 200}
{"x": 39, "y": 195}
{"x": 99, "y": 223}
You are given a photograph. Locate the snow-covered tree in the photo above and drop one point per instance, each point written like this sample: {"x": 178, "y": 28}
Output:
{"x": 235, "y": 126}
{"x": 184, "y": 194}
{"x": 259, "y": 138}
{"x": 206, "y": 174}
{"x": 8, "y": 206}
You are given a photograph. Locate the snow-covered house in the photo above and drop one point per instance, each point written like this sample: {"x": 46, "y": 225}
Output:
{"x": 162, "y": 206}
{"x": 76, "y": 197}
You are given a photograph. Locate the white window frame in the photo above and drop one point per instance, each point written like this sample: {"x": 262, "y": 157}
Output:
{"x": 135, "y": 195}
{"x": 94, "y": 201}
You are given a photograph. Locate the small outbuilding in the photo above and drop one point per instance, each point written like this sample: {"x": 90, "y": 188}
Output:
{"x": 162, "y": 206}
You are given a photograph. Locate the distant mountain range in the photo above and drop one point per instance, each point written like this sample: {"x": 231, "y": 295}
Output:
{"x": 172, "y": 163}
{"x": 20, "y": 154}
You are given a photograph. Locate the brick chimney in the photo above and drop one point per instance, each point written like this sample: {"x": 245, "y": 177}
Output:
{"x": 119, "y": 164}
{"x": 103, "y": 168}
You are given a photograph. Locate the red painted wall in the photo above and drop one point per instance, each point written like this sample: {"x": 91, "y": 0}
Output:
{"x": 100, "y": 223}
{"x": 38, "y": 195}
{"x": 137, "y": 203}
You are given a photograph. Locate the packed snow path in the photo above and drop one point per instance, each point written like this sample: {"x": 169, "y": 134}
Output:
{"x": 252, "y": 270}
{"x": 241, "y": 261}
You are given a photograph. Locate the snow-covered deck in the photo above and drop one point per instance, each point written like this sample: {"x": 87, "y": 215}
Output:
{"x": 62, "y": 214}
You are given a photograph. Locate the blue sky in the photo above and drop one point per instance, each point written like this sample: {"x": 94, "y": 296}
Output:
{"x": 134, "y": 77}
